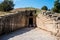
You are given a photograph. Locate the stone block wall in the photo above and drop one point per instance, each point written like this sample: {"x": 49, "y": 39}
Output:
{"x": 12, "y": 22}
{"x": 50, "y": 24}
{"x": 46, "y": 24}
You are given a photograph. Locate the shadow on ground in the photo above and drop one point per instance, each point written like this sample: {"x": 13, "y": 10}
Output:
{"x": 13, "y": 34}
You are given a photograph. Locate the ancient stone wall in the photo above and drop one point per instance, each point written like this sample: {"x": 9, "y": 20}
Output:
{"x": 12, "y": 22}
{"x": 48, "y": 24}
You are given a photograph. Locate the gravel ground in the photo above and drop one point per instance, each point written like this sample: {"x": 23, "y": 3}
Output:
{"x": 28, "y": 34}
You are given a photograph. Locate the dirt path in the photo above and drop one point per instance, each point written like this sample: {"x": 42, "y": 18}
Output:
{"x": 28, "y": 34}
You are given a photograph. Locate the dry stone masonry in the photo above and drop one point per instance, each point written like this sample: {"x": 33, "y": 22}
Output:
{"x": 12, "y": 21}
{"x": 50, "y": 22}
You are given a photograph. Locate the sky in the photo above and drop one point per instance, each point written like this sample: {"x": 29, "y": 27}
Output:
{"x": 33, "y": 3}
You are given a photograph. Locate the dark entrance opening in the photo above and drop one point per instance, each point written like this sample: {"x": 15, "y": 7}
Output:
{"x": 58, "y": 18}
{"x": 31, "y": 14}
{"x": 30, "y": 22}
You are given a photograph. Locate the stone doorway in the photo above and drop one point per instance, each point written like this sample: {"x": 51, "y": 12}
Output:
{"x": 30, "y": 22}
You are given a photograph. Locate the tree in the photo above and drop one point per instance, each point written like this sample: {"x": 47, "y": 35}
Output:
{"x": 56, "y": 7}
{"x": 6, "y": 5}
{"x": 44, "y": 8}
